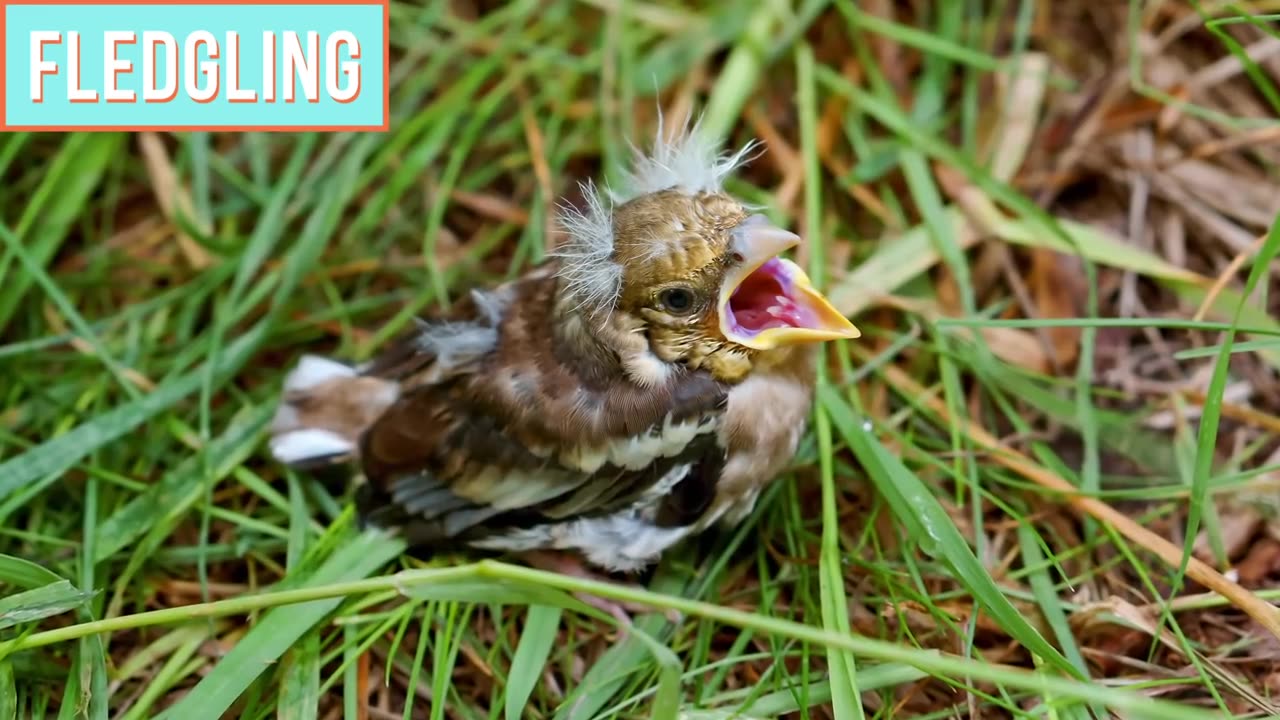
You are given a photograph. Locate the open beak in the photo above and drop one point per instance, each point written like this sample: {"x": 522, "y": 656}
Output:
{"x": 767, "y": 301}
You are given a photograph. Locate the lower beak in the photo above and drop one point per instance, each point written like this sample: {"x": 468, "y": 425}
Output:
{"x": 767, "y": 301}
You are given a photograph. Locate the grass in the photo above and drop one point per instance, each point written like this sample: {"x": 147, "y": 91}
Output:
{"x": 1041, "y": 484}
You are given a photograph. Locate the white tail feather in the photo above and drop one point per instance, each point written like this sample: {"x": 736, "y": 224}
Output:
{"x": 309, "y": 444}
{"x": 312, "y": 370}
{"x": 325, "y": 407}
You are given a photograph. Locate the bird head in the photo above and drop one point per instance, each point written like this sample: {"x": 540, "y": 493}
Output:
{"x": 674, "y": 269}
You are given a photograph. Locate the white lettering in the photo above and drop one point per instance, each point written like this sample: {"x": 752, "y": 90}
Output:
{"x": 193, "y": 69}
{"x": 349, "y": 68}
{"x": 112, "y": 66}
{"x": 151, "y": 42}
{"x": 39, "y": 66}
{"x": 300, "y": 65}
{"x": 75, "y": 93}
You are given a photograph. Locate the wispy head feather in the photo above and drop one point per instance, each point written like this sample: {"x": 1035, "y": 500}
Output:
{"x": 586, "y": 258}
{"x": 690, "y": 162}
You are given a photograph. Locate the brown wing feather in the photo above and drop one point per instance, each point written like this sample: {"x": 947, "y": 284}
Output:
{"x": 480, "y": 449}
{"x": 327, "y": 405}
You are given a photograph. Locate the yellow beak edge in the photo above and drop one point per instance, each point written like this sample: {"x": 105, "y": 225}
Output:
{"x": 757, "y": 243}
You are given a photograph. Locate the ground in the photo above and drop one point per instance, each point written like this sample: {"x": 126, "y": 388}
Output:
{"x": 1044, "y": 479}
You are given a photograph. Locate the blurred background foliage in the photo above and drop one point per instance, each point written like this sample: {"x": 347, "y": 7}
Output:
{"x": 1044, "y": 481}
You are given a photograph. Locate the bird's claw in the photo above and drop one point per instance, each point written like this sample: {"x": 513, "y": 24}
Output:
{"x": 620, "y": 611}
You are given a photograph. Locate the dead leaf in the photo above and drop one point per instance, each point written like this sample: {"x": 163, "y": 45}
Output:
{"x": 1262, "y": 561}
{"x": 1239, "y": 524}
{"x": 1057, "y": 287}
{"x": 1118, "y": 611}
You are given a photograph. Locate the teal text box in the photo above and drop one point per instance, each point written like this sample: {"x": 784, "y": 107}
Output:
{"x": 365, "y": 22}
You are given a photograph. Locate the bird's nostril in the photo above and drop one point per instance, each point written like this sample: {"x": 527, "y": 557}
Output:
{"x": 737, "y": 257}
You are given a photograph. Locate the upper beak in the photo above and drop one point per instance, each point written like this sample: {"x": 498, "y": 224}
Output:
{"x": 810, "y": 316}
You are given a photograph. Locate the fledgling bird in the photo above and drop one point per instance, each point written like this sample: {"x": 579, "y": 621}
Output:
{"x": 644, "y": 384}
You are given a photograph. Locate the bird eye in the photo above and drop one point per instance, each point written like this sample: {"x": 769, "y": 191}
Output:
{"x": 677, "y": 301}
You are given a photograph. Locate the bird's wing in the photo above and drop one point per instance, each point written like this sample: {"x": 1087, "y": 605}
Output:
{"x": 523, "y": 435}
{"x": 445, "y": 462}
{"x": 327, "y": 404}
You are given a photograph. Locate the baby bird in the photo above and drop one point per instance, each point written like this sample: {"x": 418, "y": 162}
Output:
{"x": 644, "y": 384}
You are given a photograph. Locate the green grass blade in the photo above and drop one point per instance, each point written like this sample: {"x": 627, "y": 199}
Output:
{"x": 61, "y": 453}
{"x": 42, "y": 602}
{"x": 666, "y": 698}
{"x": 156, "y": 510}
{"x": 72, "y": 176}
{"x": 745, "y": 63}
{"x": 24, "y": 573}
{"x": 8, "y": 693}
{"x": 870, "y": 679}
{"x": 619, "y": 663}
{"x": 280, "y": 629}
{"x": 834, "y": 604}
{"x": 540, "y": 627}
{"x": 300, "y": 677}
{"x": 915, "y": 506}
{"x": 65, "y": 306}
{"x": 1050, "y": 604}
{"x": 493, "y": 593}
{"x": 1207, "y": 435}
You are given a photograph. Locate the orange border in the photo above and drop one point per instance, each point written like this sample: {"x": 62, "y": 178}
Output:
{"x": 386, "y": 72}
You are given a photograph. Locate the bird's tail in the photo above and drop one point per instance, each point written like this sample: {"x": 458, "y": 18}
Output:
{"x": 325, "y": 408}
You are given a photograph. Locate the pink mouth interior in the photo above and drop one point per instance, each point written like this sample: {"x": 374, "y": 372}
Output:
{"x": 764, "y": 301}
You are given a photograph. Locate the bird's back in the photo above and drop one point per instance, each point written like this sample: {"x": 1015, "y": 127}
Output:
{"x": 485, "y": 429}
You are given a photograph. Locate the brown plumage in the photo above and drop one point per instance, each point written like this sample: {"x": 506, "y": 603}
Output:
{"x": 646, "y": 383}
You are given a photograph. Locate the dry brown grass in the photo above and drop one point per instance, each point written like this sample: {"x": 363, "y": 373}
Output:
{"x": 1153, "y": 144}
